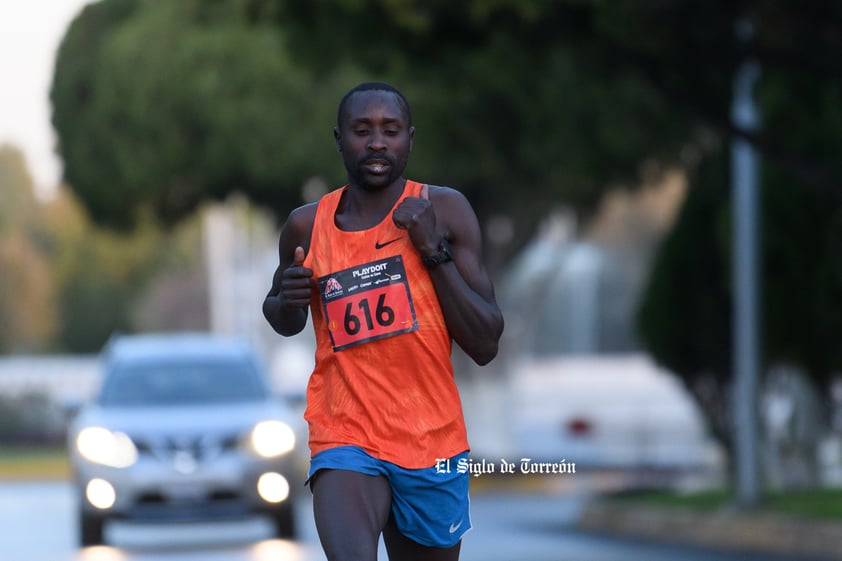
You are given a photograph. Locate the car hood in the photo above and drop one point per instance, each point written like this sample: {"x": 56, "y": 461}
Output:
{"x": 214, "y": 418}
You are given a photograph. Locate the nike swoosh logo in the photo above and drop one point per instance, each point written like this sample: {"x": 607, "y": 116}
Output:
{"x": 456, "y": 527}
{"x": 378, "y": 245}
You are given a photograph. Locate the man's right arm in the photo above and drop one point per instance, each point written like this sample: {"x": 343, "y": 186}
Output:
{"x": 286, "y": 305}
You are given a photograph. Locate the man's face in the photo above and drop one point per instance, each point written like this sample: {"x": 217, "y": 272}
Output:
{"x": 375, "y": 139}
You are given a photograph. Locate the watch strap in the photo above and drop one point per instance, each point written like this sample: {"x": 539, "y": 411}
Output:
{"x": 442, "y": 255}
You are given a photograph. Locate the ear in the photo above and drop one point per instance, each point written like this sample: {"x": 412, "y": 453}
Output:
{"x": 336, "y": 137}
{"x": 411, "y": 137}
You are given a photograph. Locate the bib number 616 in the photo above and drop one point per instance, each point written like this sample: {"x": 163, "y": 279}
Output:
{"x": 383, "y": 314}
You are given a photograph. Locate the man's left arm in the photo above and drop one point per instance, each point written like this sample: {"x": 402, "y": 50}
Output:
{"x": 463, "y": 286}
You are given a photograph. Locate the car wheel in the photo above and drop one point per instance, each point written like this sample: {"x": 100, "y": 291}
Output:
{"x": 91, "y": 529}
{"x": 283, "y": 519}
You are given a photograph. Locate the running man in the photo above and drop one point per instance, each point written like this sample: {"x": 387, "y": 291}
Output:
{"x": 391, "y": 270}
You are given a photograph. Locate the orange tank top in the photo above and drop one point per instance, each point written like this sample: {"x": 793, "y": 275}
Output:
{"x": 383, "y": 378}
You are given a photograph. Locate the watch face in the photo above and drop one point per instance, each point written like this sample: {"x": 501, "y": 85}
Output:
{"x": 443, "y": 255}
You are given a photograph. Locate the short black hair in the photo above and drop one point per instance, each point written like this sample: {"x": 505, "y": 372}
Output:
{"x": 373, "y": 86}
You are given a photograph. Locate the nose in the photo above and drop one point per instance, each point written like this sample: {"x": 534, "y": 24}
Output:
{"x": 376, "y": 142}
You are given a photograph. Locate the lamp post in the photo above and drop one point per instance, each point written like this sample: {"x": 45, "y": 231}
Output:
{"x": 744, "y": 172}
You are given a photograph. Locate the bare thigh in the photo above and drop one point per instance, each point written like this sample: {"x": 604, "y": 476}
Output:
{"x": 351, "y": 510}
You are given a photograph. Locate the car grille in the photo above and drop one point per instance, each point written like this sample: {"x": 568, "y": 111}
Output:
{"x": 185, "y": 453}
{"x": 152, "y": 498}
{"x": 151, "y": 508}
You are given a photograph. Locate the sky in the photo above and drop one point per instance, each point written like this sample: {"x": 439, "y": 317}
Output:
{"x": 30, "y": 32}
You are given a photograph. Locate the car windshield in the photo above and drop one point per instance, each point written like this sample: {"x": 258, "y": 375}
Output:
{"x": 182, "y": 383}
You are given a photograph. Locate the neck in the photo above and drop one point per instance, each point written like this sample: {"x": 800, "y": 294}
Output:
{"x": 362, "y": 208}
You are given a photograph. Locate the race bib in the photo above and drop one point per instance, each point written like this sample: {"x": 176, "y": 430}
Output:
{"x": 367, "y": 302}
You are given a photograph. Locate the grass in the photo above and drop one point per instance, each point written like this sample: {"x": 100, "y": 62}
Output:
{"x": 21, "y": 462}
{"x": 819, "y": 504}
{"x": 491, "y": 483}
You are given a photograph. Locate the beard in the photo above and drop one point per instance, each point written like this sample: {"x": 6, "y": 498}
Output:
{"x": 360, "y": 175}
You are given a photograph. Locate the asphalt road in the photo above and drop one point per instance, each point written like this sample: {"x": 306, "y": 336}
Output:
{"x": 37, "y": 523}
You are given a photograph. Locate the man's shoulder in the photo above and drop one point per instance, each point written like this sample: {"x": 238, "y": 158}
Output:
{"x": 302, "y": 218}
{"x": 441, "y": 195}
{"x": 308, "y": 209}
{"x": 444, "y": 191}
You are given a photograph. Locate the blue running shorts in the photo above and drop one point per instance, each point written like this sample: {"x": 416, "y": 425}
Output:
{"x": 430, "y": 505}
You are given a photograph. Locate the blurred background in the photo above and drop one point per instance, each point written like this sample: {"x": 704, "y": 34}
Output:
{"x": 658, "y": 185}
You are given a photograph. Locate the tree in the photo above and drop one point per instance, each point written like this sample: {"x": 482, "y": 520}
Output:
{"x": 161, "y": 106}
{"x": 27, "y": 291}
{"x": 523, "y": 105}
{"x": 17, "y": 191}
{"x": 27, "y": 296}
{"x": 145, "y": 118}
{"x": 685, "y": 311}
{"x": 107, "y": 281}
{"x": 563, "y": 100}
{"x": 67, "y": 284}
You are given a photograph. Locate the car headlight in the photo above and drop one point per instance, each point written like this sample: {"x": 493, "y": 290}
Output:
{"x": 272, "y": 438}
{"x": 102, "y": 446}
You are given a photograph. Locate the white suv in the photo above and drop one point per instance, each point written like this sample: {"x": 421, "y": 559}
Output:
{"x": 184, "y": 427}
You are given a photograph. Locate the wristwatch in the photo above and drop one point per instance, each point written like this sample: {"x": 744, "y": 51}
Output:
{"x": 442, "y": 255}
